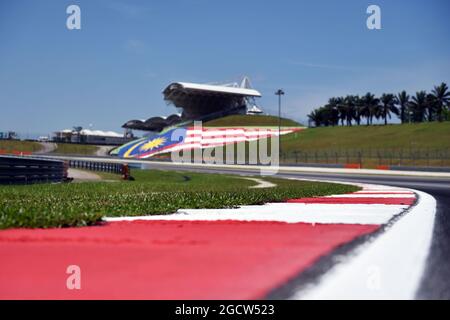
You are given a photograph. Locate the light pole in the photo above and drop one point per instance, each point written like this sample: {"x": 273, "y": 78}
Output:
{"x": 279, "y": 93}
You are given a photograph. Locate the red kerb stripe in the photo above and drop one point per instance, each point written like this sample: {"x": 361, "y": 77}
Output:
{"x": 344, "y": 200}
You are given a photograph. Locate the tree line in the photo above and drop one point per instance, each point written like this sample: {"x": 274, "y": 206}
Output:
{"x": 354, "y": 109}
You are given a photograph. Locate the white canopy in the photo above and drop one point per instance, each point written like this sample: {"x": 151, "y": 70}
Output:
{"x": 213, "y": 89}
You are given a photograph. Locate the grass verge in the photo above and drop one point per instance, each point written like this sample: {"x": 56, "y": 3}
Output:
{"x": 73, "y": 148}
{"x": 153, "y": 192}
{"x": 418, "y": 135}
{"x": 421, "y": 144}
{"x": 17, "y": 145}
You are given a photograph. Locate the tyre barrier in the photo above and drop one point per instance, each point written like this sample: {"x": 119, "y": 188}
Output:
{"x": 26, "y": 170}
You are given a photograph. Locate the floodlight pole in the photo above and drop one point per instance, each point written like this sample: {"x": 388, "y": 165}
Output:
{"x": 279, "y": 93}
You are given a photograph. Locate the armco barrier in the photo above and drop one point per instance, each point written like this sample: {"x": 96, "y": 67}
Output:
{"x": 428, "y": 169}
{"x": 96, "y": 166}
{"x": 23, "y": 170}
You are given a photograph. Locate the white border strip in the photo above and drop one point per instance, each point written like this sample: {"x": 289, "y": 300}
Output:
{"x": 389, "y": 267}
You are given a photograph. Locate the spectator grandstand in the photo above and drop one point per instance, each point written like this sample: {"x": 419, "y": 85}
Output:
{"x": 201, "y": 102}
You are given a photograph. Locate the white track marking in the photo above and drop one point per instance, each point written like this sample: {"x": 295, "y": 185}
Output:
{"x": 389, "y": 267}
{"x": 380, "y": 190}
{"x": 297, "y": 212}
{"x": 81, "y": 175}
{"x": 287, "y": 212}
{"x": 261, "y": 183}
{"x": 356, "y": 195}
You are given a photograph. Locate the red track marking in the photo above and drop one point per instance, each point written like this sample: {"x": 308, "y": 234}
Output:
{"x": 344, "y": 200}
{"x": 352, "y": 166}
{"x": 164, "y": 259}
{"x": 389, "y": 193}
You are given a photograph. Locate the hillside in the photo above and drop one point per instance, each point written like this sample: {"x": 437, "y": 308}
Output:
{"x": 74, "y": 148}
{"x": 407, "y": 144}
{"x": 422, "y": 136}
{"x": 250, "y": 120}
{"x": 10, "y": 146}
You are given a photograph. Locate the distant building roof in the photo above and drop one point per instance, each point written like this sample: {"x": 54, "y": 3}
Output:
{"x": 87, "y": 132}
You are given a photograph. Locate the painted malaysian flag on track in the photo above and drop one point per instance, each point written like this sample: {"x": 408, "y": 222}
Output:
{"x": 196, "y": 138}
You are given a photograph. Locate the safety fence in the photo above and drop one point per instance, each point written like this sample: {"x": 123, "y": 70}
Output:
{"x": 370, "y": 158}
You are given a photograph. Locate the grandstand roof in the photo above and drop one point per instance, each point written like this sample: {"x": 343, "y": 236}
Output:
{"x": 202, "y": 101}
{"x": 209, "y": 89}
{"x": 153, "y": 124}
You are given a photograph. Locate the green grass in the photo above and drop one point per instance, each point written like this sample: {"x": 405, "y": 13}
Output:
{"x": 407, "y": 144}
{"x": 422, "y": 135}
{"x": 73, "y": 148}
{"x": 153, "y": 192}
{"x": 62, "y": 148}
{"x": 17, "y": 145}
{"x": 250, "y": 120}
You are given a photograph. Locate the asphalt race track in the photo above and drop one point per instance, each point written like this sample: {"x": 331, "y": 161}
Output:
{"x": 435, "y": 283}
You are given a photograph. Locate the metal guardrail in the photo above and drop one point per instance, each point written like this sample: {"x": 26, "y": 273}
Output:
{"x": 25, "y": 170}
{"x": 427, "y": 169}
{"x": 96, "y": 166}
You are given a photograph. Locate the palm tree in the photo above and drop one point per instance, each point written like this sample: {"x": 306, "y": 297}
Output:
{"x": 358, "y": 109}
{"x": 369, "y": 106}
{"x": 431, "y": 106}
{"x": 342, "y": 109}
{"x": 315, "y": 117}
{"x": 349, "y": 104}
{"x": 388, "y": 102}
{"x": 403, "y": 101}
{"x": 418, "y": 106}
{"x": 442, "y": 99}
{"x": 332, "y": 111}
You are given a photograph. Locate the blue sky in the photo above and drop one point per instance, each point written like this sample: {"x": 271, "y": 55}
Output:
{"x": 116, "y": 66}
